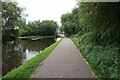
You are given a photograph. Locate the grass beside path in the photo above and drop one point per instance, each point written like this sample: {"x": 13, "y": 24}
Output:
{"x": 24, "y": 71}
{"x": 103, "y": 60}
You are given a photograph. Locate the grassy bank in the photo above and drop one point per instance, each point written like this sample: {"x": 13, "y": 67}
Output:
{"x": 104, "y": 61}
{"x": 24, "y": 71}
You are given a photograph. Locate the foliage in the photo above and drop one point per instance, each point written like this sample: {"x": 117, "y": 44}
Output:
{"x": 11, "y": 16}
{"x": 37, "y": 28}
{"x": 70, "y": 23}
{"x": 102, "y": 19}
{"x": 99, "y": 18}
{"x": 104, "y": 61}
{"x": 24, "y": 71}
{"x": 96, "y": 27}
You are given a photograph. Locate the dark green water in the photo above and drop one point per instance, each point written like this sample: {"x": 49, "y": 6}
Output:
{"x": 15, "y": 53}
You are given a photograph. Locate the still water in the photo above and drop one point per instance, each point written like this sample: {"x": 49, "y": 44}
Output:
{"x": 15, "y": 53}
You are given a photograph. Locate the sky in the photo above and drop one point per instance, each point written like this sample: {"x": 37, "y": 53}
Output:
{"x": 46, "y": 9}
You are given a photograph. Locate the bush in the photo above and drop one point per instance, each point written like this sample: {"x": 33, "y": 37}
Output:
{"x": 103, "y": 60}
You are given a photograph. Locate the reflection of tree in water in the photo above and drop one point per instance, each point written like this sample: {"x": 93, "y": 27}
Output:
{"x": 12, "y": 56}
{"x": 37, "y": 45}
{"x": 14, "y": 52}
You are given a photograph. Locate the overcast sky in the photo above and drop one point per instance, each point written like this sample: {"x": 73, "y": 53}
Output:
{"x": 46, "y": 9}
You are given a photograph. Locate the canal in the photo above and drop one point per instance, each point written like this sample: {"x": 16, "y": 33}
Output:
{"x": 15, "y": 53}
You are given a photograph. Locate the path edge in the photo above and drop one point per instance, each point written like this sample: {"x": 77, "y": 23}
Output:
{"x": 86, "y": 62}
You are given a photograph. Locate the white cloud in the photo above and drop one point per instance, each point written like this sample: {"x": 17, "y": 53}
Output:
{"x": 46, "y": 9}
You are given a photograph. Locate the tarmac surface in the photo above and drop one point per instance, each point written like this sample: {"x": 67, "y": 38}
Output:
{"x": 64, "y": 62}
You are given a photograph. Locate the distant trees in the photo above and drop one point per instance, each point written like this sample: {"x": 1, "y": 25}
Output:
{"x": 14, "y": 24}
{"x": 11, "y": 16}
{"x": 70, "y": 22}
{"x": 100, "y": 19}
{"x": 37, "y": 28}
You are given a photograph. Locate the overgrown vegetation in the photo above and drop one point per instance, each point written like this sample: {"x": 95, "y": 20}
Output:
{"x": 100, "y": 18}
{"x": 24, "y": 71}
{"x": 104, "y": 61}
{"x": 96, "y": 26}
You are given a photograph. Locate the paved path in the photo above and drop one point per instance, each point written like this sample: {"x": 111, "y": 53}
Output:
{"x": 64, "y": 62}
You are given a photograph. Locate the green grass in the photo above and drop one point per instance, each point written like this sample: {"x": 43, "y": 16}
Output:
{"x": 24, "y": 71}
{"x": 103, "y": 61}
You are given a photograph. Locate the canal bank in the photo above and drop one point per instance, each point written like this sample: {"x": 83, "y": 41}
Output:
{"x": 26, "y": 69}
{"x": 17, "y": 52}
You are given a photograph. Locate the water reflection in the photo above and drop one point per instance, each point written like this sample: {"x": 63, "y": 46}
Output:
{"x": 17, "y": 52}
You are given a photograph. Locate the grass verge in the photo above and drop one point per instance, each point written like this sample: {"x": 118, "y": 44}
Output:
{"x": 24, "y": 71}
{"x": 103, "y": 61}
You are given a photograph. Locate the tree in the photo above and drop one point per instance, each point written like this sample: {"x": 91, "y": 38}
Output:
{"x": 67, "y": 25}
{"x": 48, "y": 28}
{"x": 37, "y": 28}
{"x": 101, "y": 19}
{"x": 11, "y": 15}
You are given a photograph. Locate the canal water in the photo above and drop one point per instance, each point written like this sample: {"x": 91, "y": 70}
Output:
{"x": 15, "y": 53}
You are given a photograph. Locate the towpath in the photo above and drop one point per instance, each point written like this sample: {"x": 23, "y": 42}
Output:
{"x": 64, "y": 62}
